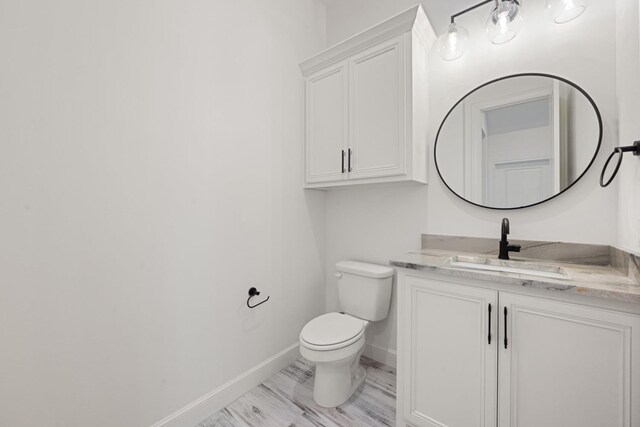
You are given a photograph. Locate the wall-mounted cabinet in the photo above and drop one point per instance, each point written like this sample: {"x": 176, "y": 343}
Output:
{"x": 366, "y": 106}
{"x": 473, "y": 355}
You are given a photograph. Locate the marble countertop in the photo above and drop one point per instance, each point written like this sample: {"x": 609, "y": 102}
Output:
{"x": 591, "y": 280}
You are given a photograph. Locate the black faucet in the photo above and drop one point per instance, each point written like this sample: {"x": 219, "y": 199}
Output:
{"x": 505, "y": 247}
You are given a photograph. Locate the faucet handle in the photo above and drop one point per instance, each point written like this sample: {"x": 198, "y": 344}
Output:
{"x": 514, "y": 248}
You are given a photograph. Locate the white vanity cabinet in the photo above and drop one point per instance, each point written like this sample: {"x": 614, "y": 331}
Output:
{"x": 528, "y": 361}
{"x": 450, "y": 370}
{"x": 366, "y": 106}
{"x": 567, "y": 365}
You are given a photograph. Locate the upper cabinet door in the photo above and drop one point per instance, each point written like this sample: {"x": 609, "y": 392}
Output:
{"x": 449, "y": 350}
{"x": 378, "y": 111}
{"x": 326, "y": 124}
{"x": 566, "y": 365}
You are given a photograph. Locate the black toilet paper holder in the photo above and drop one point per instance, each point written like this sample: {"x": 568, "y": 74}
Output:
{"x": 252, "y": 293}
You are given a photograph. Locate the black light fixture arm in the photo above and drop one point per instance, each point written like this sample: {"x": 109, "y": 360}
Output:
{"x": 469, "y": 9}
{"x": 635, "y": 149}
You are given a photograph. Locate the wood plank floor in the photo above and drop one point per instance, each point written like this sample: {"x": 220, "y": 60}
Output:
{"x": 286, "y": 399}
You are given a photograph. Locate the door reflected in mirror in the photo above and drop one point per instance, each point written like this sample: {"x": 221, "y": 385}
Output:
{"x": 518, "y": 141}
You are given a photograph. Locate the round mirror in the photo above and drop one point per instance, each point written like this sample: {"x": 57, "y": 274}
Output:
{"x": 518, "y": 141}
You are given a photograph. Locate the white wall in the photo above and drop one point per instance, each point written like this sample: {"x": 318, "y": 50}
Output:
{"x": 582, "y": 51}
{"x": 150, "y": 173}
{"x": 348, "y": 17}
{"x": 628, "y": 66}
{"x": 373, "y": 225}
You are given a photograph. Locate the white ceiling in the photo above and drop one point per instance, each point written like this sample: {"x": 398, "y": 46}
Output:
{"x": 439, "y": 11}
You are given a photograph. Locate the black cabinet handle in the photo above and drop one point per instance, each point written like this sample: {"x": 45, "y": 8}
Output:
{"x": 505, "y": 328}
{"x": 343, "y": 171}
{"x": 350, "y": 160}
{"x": 489, "y": 337}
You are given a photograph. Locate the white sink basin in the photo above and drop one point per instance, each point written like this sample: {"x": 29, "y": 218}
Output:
{"x": 516, "y": 267}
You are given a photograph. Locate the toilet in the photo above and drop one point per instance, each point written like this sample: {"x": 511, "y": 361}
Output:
{"x": 334, "y": 342}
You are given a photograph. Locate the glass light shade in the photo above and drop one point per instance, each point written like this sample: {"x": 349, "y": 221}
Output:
{"x": 504, "y": 22}
{"x": 452, "y": 44}
{"x": 561, "y": 11}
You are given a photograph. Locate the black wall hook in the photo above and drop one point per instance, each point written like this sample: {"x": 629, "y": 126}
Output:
{"x": 635, "y": 149}
{"x": 252, "y": 293}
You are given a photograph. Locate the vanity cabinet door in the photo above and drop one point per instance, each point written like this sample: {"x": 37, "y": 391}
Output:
{"x": 377, "y": 111}
{"x": 449, "y": 361}
{"x": 327, "y": 124}
{"x": 566, "y": 365}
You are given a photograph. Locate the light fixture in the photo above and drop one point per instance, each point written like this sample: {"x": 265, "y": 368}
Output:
{"x": 452, "y": 44}
{"x": 561, "y": 11}
{"x": 503, "y": 25}
{"x": 504, "y": 22}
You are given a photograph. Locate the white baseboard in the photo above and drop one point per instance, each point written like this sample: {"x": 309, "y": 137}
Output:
{"x": 212, "y": 402}
{"x": 385, "y": 356}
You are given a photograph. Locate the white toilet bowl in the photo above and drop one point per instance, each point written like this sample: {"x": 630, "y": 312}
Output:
{"x": 334, "y": 342}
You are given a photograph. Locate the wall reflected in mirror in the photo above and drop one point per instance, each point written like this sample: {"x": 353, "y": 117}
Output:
{"x": 518, "y": 141}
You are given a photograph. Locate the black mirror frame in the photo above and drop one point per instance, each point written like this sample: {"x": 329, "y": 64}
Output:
{"x": 595, "y": 154}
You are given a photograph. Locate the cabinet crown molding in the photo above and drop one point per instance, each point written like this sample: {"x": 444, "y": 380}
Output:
{"x": 413, "y": 19}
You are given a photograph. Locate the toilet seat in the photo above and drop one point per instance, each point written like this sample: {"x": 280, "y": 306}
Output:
{"x": 332, "y": 331}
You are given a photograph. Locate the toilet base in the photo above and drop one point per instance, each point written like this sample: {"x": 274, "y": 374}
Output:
{"x": 335, "y": 382}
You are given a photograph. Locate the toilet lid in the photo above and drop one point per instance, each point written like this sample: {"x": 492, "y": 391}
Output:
{"x": 331, "y": 329}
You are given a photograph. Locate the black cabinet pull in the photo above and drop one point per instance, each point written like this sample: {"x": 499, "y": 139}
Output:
{"x": 489, "y": 337}
{"x": 342, "y": 157}
{"x": 505, "y": 328}
{"x": 350, "y": 160}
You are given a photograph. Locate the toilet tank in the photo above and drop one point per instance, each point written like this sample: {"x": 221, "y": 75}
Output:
{"x": 364, "y": 290}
